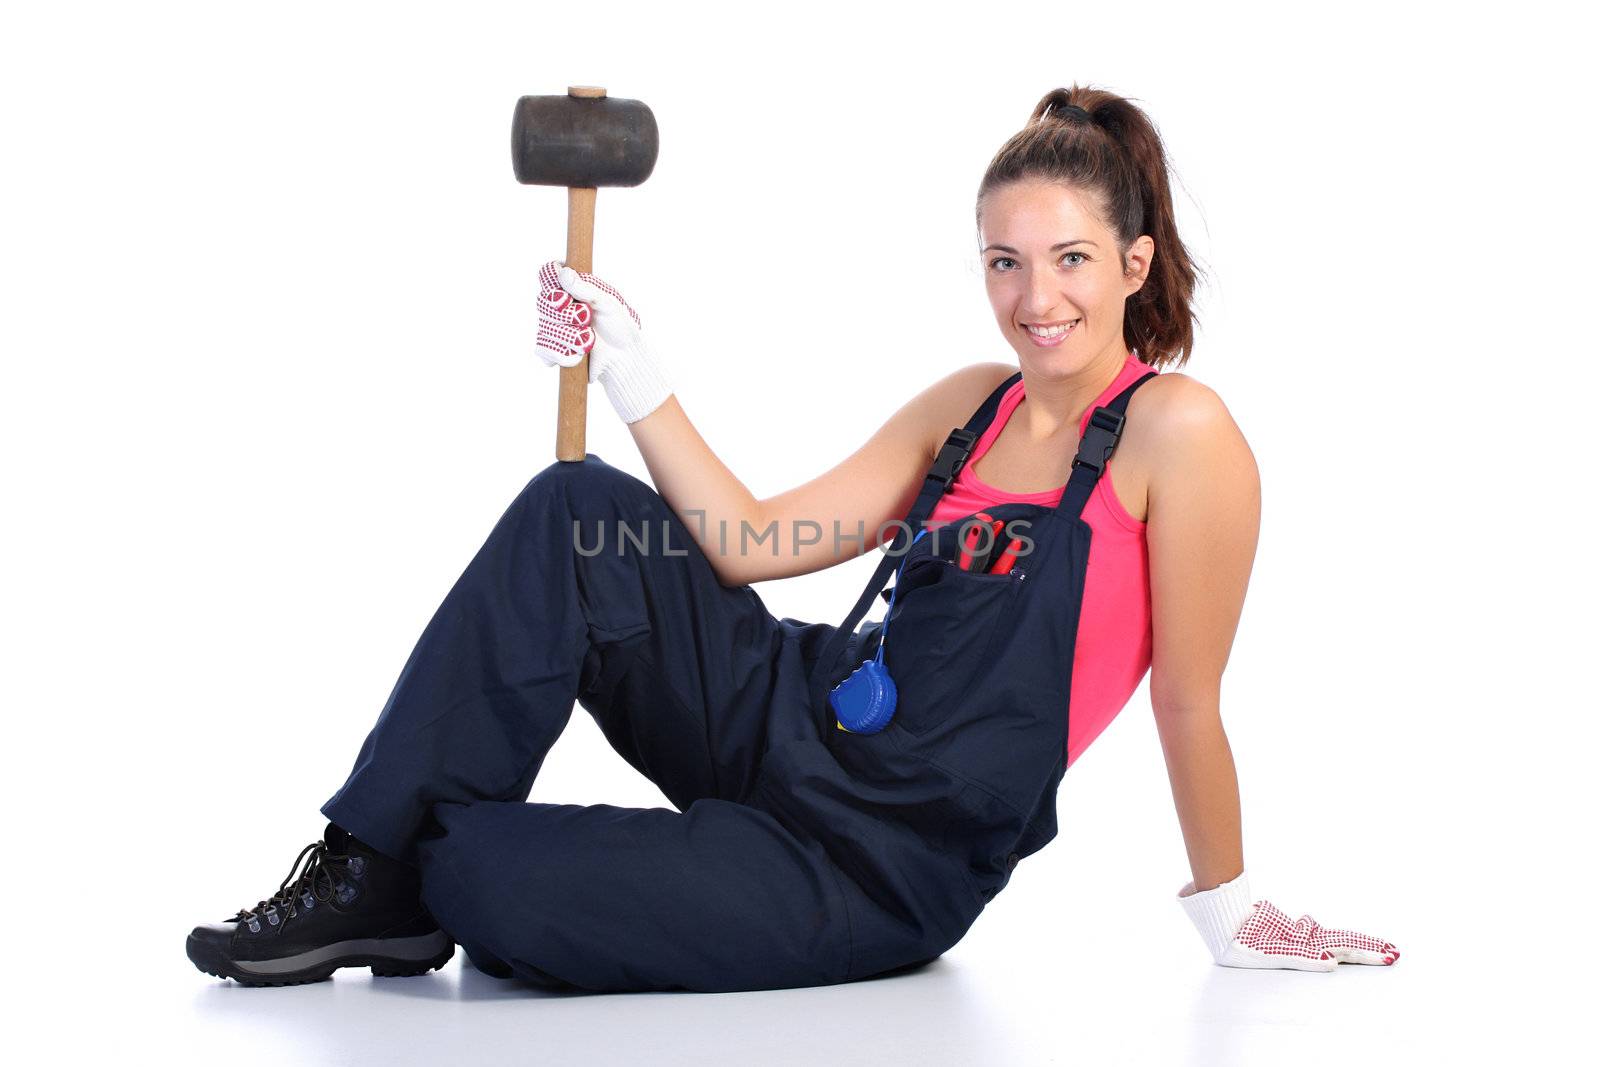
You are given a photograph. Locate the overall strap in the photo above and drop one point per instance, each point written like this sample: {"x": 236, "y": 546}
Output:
{"x": 1099, "y": 440}
{"x": 952, "y": 457}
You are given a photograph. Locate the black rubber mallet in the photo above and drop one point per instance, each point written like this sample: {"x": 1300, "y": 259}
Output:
{"x": 583, "y": 140}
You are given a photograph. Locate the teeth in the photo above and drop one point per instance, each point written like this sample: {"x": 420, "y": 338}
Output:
{"x": 1054, "y": 331}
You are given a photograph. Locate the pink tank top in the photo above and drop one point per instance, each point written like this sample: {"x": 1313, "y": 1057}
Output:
{"x": 1114, "y": 635}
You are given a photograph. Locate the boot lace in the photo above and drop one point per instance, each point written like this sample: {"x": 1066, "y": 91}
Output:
{"x": 325, "y": 876}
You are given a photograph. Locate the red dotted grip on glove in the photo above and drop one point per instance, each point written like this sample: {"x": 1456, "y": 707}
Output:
{"x": 563, "y": 321}
{"x": 1269, "y": 931}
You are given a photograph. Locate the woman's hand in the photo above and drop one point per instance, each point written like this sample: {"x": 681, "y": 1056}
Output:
{"x": 580, "y": 314}
{"x": 1240, "y": 934}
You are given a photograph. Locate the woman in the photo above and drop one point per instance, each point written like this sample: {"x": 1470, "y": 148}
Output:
{"x": 804, "y": 851}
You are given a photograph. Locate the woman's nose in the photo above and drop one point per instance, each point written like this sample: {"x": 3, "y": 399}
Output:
{"x": 1043, "y": 300}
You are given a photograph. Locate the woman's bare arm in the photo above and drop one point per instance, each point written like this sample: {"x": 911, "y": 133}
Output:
{"x": 870, "y": 488}
{"x": 1205, "y": 515}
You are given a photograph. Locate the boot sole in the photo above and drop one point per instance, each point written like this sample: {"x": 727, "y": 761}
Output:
{"x": 389, "y": 957}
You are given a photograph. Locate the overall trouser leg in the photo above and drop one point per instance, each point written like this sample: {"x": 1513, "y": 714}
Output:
{"x": 691, "y": 681}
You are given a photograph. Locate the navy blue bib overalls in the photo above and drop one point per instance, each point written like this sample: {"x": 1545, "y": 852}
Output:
{"x": 799, "y": 853}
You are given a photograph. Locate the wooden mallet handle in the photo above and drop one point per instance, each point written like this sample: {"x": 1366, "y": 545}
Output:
{"x": 572, "y": 411}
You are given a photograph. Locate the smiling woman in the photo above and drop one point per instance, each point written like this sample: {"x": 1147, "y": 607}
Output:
{"x": 806, "y": 850}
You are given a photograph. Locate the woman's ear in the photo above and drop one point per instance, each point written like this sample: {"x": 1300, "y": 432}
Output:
{"x": 1141, "y": 253}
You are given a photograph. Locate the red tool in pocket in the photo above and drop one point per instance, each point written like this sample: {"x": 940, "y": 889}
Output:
{"x": 969, "y": 540}
{"x": 995, "y": 560}
{"x": 1003, "y": 564}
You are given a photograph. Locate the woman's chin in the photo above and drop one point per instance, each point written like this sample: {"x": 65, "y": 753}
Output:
{"x": 1048, "y": 363}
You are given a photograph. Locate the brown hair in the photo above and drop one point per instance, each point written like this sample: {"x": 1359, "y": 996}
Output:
{"x": 1114, "y": 155}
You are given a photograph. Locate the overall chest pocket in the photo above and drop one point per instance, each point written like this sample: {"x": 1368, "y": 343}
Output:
{"x": 940, "y": 635}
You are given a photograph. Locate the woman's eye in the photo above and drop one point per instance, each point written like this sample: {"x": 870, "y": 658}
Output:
{"x": 1081, "y": 259}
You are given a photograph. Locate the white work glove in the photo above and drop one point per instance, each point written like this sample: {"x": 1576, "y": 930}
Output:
{"x": 578, "y": 314}
{"x": 1241, "y": 934}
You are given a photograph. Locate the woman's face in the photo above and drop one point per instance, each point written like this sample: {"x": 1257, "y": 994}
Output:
{"x": 1048, "y": 260}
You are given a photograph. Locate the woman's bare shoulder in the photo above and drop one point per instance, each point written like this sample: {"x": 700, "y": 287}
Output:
{"x": 950, "y": 401}
{"x": 1176, "y": 407}
{"x": 1185, "y": 430}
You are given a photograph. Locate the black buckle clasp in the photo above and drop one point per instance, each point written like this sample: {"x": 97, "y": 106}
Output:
{"x": 1099, "y": 440}
{"x": 952, "y": 456}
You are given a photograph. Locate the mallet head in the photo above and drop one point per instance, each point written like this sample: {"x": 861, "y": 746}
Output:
{"x": 583, "y": 139}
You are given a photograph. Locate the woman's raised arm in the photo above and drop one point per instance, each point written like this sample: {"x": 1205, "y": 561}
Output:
{"x": 749, "y": 540}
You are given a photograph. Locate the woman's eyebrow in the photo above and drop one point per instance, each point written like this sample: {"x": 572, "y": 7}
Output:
{"x": 1053, "y": 248}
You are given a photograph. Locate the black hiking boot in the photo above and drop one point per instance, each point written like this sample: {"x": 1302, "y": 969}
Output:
{"x": 350, "y": 906}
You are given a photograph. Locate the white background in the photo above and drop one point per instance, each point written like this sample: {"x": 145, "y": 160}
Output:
{"x": 269, "y": 380}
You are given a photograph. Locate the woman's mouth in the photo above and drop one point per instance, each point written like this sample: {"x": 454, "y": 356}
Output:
{"x": 1049, "y": 337}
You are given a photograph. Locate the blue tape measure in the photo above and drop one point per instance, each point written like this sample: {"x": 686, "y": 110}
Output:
{"x": 864, "y": 702}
